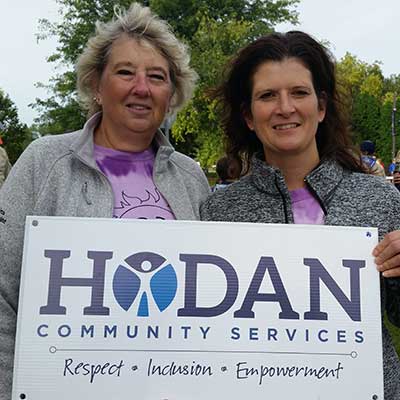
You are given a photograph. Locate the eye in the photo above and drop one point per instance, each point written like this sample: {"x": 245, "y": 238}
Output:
{"x": 300, "y": 92}
{"x": 266, "y": 95}
{"x": 157, "y": 77}
{"x": 125, "y": 72}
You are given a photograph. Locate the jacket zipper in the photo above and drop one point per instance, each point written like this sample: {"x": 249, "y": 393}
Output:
{"x": 314, "y": 193}
{"x": 285, "y": 211}
{"x": 85, "y": 194}
{"x": 85, "y": 191}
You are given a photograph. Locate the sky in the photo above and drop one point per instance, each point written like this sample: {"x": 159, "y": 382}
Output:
{"x": 369, "y": 29}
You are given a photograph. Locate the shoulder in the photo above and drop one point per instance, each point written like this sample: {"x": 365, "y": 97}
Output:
{"x": 188, "y": 166}
{"x": 184, "y": 161}
{"x": 60, "y": 141}
{"x": 50, "y": 147}
{"x": 43, "y": 154}
{"x": 369, "y": 182}
{"x": 232, "y": 198}
{"x": 375, "y": 192}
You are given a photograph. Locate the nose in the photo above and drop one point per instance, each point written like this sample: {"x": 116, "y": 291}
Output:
{"x": 286, "y": 104}
{"x": 141, "y": 85}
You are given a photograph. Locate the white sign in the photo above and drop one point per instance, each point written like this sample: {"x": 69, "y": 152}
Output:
{"x": 131, "y": 309}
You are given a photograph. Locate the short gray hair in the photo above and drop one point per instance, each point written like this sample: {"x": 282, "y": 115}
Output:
{"x": 139, "y": 23}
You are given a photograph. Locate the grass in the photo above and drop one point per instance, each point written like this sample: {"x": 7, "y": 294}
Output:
{"x": 395, "y": 333}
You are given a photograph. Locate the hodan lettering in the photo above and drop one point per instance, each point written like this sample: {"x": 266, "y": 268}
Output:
{"x": 265, "y": 269}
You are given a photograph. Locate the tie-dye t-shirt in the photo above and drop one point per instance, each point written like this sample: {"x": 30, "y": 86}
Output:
{"x": 131, "y": 178}
{"x": 306, "y": 209}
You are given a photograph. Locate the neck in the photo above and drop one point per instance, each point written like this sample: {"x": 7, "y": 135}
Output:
{"x": 129, "y": 142}
{"x": 295, "y": 169}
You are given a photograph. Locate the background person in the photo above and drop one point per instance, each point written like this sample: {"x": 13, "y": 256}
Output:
{"x": 369, "y": 159}
{"x": 228, "y": 171}
{"x": 281, "y": 115}
{"x": 394, "y": 170}
{"x": 5, "y": 165}
{"x": 131, "y": 74}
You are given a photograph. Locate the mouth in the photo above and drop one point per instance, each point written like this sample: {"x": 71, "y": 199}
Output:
{"x": 138, "y": 107}
{"x": 281, "y": 127}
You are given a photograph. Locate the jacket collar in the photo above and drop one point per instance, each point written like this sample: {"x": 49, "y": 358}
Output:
{"x": 82, "y": 147}
{"x": 322, "y": 181}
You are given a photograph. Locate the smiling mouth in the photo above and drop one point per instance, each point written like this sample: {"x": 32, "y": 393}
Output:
{"x": 286, "y": 126}
{"x": 139, "y": 107}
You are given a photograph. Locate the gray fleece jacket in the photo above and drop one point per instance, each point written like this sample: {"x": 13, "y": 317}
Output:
{"x": 58, "y": 176}
{"x": 347, "y": 198}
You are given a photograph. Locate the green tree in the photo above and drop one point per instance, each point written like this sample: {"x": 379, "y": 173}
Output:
{"x": 212, "y": 45}
{"x": 214, "y": 30}
{"x": 61, "y": 111}
{"x": 356, "y": 77}
{"x": 369, "y": 101}
{"x": 384, "y": 141}
{"x": 365, "y": 116}
{"x": 16, "y": 135}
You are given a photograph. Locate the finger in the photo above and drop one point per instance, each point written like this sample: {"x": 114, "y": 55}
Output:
{"x": 380, "y": 247}
{"x": 391, "y": 263}
{"x": 392, "y": 273}
{"x": 386, "y": 254}
{"x": 385, "y": 242}
{"x": 388, "y": 247}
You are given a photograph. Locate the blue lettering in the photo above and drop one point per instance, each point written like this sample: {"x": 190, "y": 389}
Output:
{"x": 359, "y": 336}
{"x": 253, "y": 333}
{"x": 253, "y": 295}
{"x": 87, "y": 330}
{"x": 110, "y": 331}
{"x": 235, "y": 333}
{"x": 39, "y": 330}
{"x": 64, "y": 331}
{"x": 322, "y": 339}
{"x": 57, "y": 281}
{"x": 271, "y": 334}
{"x": 291, "y": 334}
{"x": 341, "y": 336}
{"x": 319, "y": 273}
{"x": 190, "y": 308}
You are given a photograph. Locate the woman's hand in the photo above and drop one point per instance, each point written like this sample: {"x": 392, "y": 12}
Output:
{"x": 387, "y": 255}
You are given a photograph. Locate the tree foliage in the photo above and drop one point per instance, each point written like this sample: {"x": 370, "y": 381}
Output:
{"x": 368, "y": 97}
{"x": 213, "y": 29}
{"x": 16, "y": 135}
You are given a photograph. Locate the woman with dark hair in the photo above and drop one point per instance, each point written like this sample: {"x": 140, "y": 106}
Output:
{"x": 282, "y": 118}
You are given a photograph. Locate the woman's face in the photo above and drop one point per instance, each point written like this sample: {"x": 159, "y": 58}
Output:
{"x": 134, "y": 91}
{"x": 285, "y": 110}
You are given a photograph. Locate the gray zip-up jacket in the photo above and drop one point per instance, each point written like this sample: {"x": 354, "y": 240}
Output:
{"x": 347, "y": 199}
{"x": 58, "y": 176}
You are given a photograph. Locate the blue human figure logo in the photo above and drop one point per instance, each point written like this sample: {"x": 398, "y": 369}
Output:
{"x": 127, "y": 283}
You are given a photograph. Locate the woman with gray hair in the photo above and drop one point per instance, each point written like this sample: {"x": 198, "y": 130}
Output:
{"x": 131, "y": 75}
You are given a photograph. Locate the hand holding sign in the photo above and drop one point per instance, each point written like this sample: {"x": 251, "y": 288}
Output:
{"x": 387, "y": 254}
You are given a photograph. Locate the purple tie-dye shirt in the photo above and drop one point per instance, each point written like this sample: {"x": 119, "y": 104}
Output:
{"x": 306, "y": 209}
{"x": 131, "y": 178}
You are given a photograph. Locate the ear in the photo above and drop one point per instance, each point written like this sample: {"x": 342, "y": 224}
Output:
{"x": 248, "y": 118}
{"x": 171, "y": 100}
{"x": 322, "y": 101}
{"x": 95, "y": 84}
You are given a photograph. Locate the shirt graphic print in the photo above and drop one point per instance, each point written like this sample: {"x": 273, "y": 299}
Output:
{"x": 131, "y": 178}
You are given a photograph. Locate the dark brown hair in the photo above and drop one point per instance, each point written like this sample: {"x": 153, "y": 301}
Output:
{"x": 234, "y": 97}
{"x": 228, "y": 168}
